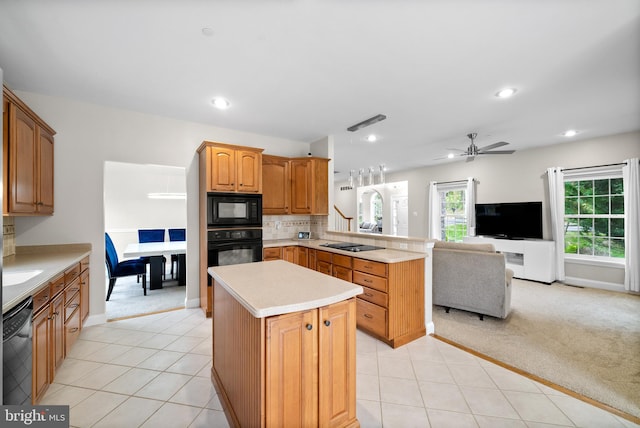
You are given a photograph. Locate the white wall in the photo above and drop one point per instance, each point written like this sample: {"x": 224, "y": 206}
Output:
{"x": 512, "y": 178}
{"x": 87, "y": 136}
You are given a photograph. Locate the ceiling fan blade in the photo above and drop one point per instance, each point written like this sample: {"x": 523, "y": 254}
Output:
{"x": 455, "y": 150}
{"x": 497, "y": 152}
{"x": 493, "y": 146}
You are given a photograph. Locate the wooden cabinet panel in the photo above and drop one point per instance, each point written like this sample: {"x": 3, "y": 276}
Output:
{"x": 372, "y": 317}
{"x": 56, "y": 285}
{"x": 71, "y": 330}
{"x": 40, "y": 366}
{"x": 85, "y": 286}
{"x": 249, "y": 171}
{"x": 336, "y": 364}
{"x": 343, "y": 273}
{"x": 324, "y": 256}
{"x": 302, "y": 256}
{"x": 41, "y": 298}
{"x": 371, "y": 267}
{"x": 309, "y": 186}
{"x": 291, "y": 373}
{"x": 372, "y": 281}
{"x": 57, "y": 334}
{"x": 324, "y": 267}
{"x": 71, "y": 304}
{"x": 222, "y": 169}
{"x": 276, "y": 185}
{"x": 289, "y": 254}
{"x": 312, "y": 259}
{"x": 273, "y": 253}
{"x": 341, "y": 260}
{"x": 374, "y": 296}
{"x": 28, "y": 147}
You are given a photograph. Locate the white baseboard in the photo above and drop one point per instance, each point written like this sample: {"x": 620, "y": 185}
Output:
{"x": 431, "y": 328}
{"x": 192, "y": 303}
{"x": 95, "y": 320}
{"x": 582, "y": 282}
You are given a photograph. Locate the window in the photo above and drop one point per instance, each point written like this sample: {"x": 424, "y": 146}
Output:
{"x": 594, "y": 217}
{"x": 453, "y": 217}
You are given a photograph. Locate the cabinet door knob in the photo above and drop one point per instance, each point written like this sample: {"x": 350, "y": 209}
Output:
{"x": 309, "y": 327}
{"x": 327, "y": 323}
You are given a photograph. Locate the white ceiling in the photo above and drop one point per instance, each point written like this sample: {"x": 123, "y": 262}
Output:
{"x": 305, "y": 69}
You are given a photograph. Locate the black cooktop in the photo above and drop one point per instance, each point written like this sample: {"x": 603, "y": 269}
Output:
{"x": 354, "y": 248}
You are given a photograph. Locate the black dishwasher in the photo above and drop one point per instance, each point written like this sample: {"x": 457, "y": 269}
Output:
{"x": 17, "y": 353}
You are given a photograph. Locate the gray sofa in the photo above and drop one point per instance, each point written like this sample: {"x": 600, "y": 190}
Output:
{"x": 471, "y": 277}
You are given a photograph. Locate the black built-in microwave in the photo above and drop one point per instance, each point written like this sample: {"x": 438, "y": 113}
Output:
{"x": 234, "y": 210}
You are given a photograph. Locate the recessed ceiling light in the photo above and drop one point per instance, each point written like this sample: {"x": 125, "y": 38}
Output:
{"x": 371, "y": 138}
{"x": 451, "y": 156}
{"x": 506, "y": 92}
{"x": 207, "y": 31}
{"x": 570, "y": 133}
{"x": 220, "y": 103}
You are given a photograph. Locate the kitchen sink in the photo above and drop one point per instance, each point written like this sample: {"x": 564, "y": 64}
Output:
{"x": 19, "y": 277}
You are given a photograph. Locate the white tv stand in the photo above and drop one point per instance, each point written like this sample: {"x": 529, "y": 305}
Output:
{"x": 532, "y": 259}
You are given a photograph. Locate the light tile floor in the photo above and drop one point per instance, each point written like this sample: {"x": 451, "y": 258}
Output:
{"x": 154, "y": 371}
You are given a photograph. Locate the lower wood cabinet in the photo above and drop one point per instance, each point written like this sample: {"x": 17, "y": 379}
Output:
{"x": 59, "y": 310}
{"x": 310, "y": 367}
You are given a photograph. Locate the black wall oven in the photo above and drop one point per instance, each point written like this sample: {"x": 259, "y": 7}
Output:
{"x": 233, "y": 246}
{"x": 234, "y": 210}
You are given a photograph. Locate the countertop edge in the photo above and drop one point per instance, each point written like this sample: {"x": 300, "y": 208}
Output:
{"x": 52, "y": 259}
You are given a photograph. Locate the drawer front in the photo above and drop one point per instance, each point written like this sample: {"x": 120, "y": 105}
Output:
{"x": 341, "y": 260}
{"x": 371, "y": 317}
{"x": 324, "y": 267}
{"x": 84, "y": 264}
{"x": 375, "y": 296}
{"x": 71, "y": 290}
{"x": 343, "y": 273}
{"x": 71, "y": 304}
{"x": 370, "y": 281}
{"x": 367, "y": 266}
{"x": 71, "y": 330}
{"x": 72, "y": 273}
{"x": 56, "y": 286}
{"x": 324, "y": 256}
{"x": 41, "y": 298}
{"x": 271, "y": 253}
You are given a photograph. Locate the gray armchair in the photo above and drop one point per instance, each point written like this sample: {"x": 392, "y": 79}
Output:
{"x": 471, "y": 277}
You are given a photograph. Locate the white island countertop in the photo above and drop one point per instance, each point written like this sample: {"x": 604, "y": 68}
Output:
{"x": 279, "y": 287}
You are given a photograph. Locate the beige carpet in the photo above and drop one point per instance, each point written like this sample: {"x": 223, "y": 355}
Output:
{"x": 127, "y": 298}
{"x": 585, "y": 340}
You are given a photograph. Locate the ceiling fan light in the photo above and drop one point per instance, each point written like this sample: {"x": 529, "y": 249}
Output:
{"x": 506, "y": 92}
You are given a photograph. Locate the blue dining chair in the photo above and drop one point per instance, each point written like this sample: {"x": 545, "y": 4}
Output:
{"x": 118, "y": 269}
{"x": 152, "y": 235}
{"x": 176, "y": 235}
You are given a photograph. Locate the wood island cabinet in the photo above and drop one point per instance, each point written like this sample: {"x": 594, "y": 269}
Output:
{"x": 301, "y": 362}
{"x": 28, "y": 150}
{"x": 230, "y": 168}
{"x": 295, "y": 185}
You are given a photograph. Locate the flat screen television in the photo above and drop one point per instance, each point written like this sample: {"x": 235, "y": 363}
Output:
{"x": 510, "y": 220}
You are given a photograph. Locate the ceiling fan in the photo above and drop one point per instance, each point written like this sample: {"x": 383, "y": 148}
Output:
{"x": 472, "y": 151}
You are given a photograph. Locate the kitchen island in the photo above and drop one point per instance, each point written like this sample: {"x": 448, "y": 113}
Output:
{"x": 284, "y": 345}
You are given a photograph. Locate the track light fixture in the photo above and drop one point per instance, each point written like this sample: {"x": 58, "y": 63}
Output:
{"x": 367, "y": 122}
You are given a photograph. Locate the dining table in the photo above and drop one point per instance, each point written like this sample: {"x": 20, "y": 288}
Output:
{"x": 155, "y": 251}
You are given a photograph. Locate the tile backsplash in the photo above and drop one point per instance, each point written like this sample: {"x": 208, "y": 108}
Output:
{"x": 288, "y": 226}
{"x": 8, "y": 236}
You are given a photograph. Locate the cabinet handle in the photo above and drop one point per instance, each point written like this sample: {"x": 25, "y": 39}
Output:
{"x": 327, "y": 323}
{"x": 368, "y": 294}
{"x": 73, "y": 330}
{"x": 368, "y": 316}
{"x": 309, "y": 327}
{"x": 368, "y": 280}
{"x": 74, "y": 289}
{"x": 74, "y": 305}
{"x": 44, "y": 299}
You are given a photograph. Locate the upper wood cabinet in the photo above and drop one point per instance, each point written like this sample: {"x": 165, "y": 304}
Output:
{"x": 295, "y": 185}
{"x": 28, "y": 150}
{"x": 277, "y": 183}
{"x": 229, "y": 168}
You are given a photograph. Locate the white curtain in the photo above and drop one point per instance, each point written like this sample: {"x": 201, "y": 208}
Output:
{"x": 470, "y": 209}
{"x": 631, "y": 183}
{"x": 435, "y": 231}
{"x": 555, "y": 177}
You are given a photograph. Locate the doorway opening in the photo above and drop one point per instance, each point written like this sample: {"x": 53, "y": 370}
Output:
{"x": 138, "y": 197}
